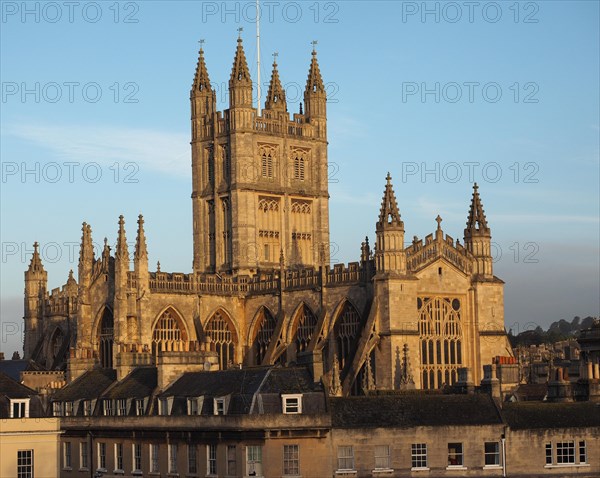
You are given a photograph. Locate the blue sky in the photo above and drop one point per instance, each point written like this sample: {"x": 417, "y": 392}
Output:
{"x": 505, "y": 94}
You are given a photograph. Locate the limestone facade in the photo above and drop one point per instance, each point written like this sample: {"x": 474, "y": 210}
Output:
{"x": 262, "y": 290}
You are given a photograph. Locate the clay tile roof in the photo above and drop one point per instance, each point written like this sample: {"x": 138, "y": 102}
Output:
{"x": 414, "y": 409}
{"x": 551, "y": 415}
{"x": 89, "y": 386}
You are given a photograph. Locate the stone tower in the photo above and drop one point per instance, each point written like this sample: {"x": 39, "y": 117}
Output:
{"x": 36, "y": 283}
{"x": 259, "y": 182}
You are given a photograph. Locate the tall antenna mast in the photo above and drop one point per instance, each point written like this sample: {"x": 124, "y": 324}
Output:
{"x": 258, "y": 92}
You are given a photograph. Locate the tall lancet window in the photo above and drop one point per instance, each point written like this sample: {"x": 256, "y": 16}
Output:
{"x": 222, "y": 335}
{"x": 106, "y": 339}
{"x": 441, "y": 339}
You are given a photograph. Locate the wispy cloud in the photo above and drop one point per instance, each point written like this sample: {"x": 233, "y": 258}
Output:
{"x": 546, "y": 218}
{"x": 156, "y": 151}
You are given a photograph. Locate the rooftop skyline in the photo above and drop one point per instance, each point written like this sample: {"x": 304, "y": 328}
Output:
{"x": 507, "y": 98}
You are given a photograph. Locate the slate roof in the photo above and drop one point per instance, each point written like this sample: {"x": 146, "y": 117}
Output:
{"x": 140, "y": 383}
{"x": 551, "y": 415}
{"x": 89, "y": 386}
{"x": 12, "y": 389}
{"x": 413, "y": 409}
{"x": 290, "y": 380}
{"x": 217, "y": 384}
{"x": 13, "y": 368}
{"x": 531, "y": 391}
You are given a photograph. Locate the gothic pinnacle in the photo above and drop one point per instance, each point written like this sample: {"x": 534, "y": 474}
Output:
{"x": 140, "y": 243}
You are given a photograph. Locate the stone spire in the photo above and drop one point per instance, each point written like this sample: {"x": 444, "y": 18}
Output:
{"x": 315, "y": 97}
{"x": 86, "y": 256}
{"x": 389, "y": 251}
{"x": 368, "y": 382}
{"x": 122, "y": 252}
{"x": 201, "y": 78}
{"x": 389, "y": 214}
{"x": 478, "y": 238}
{"x": 335, "y": 387}
{"x": 476, "y": 222}
{"x": 36, "y": 261}
{"x": 240, "y": 83}
{"x": 141, "y": 252}
{"x": 276, "y": 95}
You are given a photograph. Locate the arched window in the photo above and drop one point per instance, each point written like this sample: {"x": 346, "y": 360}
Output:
{"x": 221, "y": 334}
{"x": 264, "y": 332}
{"x": 305, "y": 327}
{"x": 168, "y": 329}
{"x": 346, "y": 331}
{"x": 266, "y": 164}
{"x": 441, "y": 335}
{"x": 106, "y": 339}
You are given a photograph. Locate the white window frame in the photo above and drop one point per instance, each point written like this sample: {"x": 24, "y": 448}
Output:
{"x": 418, "y": 451}
{"x": 164, "y": 406}
{"x": 57, "y": 409}
{"x": 198, "y": 401}
{"x": 582, "y": 452}
{"x": 254, "y": 461}
{"x": 154, "y": 456}
{"x": 67, "y": 456}
{"x": 121, "y": 407}
{"x": 137, "y": 470}
{"x": 287, "y": 448}
{"x": 291, "y": 403}
{"x": 108, "y": 407}
{"x": 383, "y": 453}
{"x": 565, "y": 446}
{"x": 119, "y": 469}
{"x": 69, "y": 409}
{"x": 88, "y": 408}
{"x": 172, "y": 458}
{"x": 461, "y": 465}
{"x": 23, "y": 405}
{"x": 25, "y": 463}
{"x": 83, "y": 456}
{"x": 345, "y": 453}
{"x": 211, "y": 460}
{"x": 192, "y": 471}
{"x": 140, "y": 407}
{"x": 220, "y": 405}
{"x": 496, "y": 454}
{"x": 101, "y": 446}
{"x": 579, "y": 449}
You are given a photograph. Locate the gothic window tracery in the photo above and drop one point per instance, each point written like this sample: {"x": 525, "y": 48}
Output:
{"x": 268, "y": 228}
{"x": 265, "y": 328}
{"x": 267, "y": 154}
{"x": 299, "y": 159}
{"x": 106, "y": 339}
{"x": 346, "y": 332}
{"x": 223, "y": 337}
{"x": 441, "y": 340}
{"x": 305, "y": 328}
{"x": 167, "y": 330}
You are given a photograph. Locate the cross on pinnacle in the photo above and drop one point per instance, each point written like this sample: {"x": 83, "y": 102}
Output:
{"x": 314, "y": 44}
{"x": 240, "y": 30}
{"x": 439, "y": 221}
{"x": 201, "y": 41}
{"x": 275, "y": 55}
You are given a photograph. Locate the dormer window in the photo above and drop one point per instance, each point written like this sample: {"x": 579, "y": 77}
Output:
{"x": 57, "y": 409}
{"x": 87, "y": 408}
{"x": 122, "y": 407}
{"x": 108, "y": 408}
{"x": 194, "y": 405}
{"x": 19, "y": 408}
{"x": 291, "y": 403}
{"x": 139, "y": 407}
{"x": 69, "y": 409}
{"x": 219, "y": 406}
{"x": 164, "y": 406}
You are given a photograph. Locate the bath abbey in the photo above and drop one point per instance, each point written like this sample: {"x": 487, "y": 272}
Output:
{"x": 408, "y": 314}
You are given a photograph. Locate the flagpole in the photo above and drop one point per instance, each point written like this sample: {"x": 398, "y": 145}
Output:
{"x": 258, "y": 92}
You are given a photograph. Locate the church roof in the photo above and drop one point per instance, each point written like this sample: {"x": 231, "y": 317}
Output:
{"x": 413, "y": 410}
{"x": 10, "y": 388}
{"x": 13, "y": 368}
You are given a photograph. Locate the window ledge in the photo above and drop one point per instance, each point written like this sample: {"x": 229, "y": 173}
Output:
{"x": 119, "y": 472}
{"x": 492, "y": 467}
{"x": 137, "y": 472}
{"x": 345, "y": 472}
{"x": 567, "y": 465}
{"x": 84, "y": 468}
{"x": 456, "y": 467}
{"x": 67, "y": 468}
{"x": 420, "y": 468}
{"x": 382, "y": 471}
